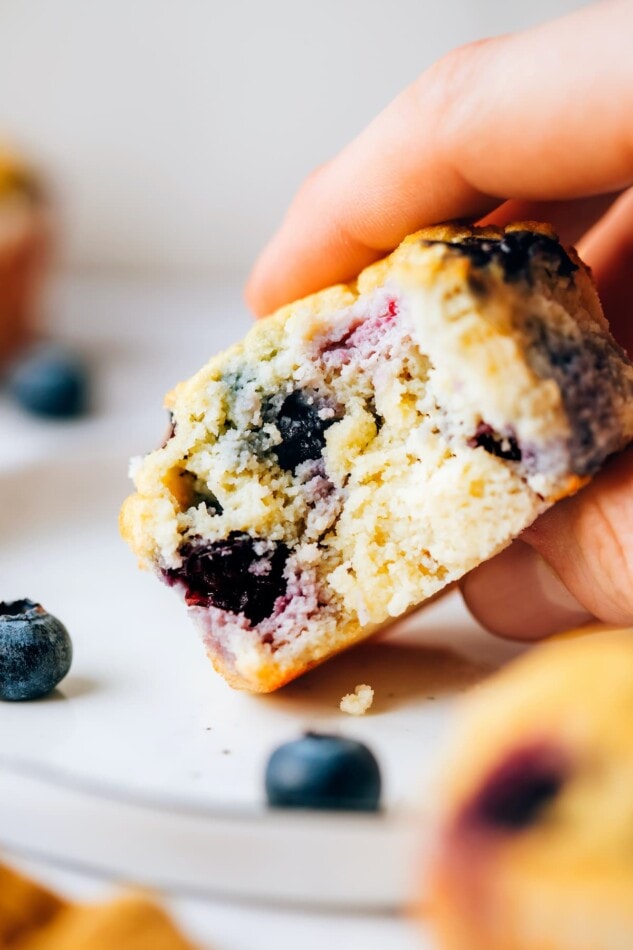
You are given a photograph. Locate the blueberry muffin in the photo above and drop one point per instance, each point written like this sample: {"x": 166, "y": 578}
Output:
{"x": 535, "y": 844}
{"x": 366, "y": 446}
{"x": 24, "y": 251}
{"x": 33, "y": 918}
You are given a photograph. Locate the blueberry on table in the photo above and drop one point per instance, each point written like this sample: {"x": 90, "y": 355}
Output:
{"x": 324, "y": 772}
{"x": 35, "y": 650}
{"x": 50, "y": 381}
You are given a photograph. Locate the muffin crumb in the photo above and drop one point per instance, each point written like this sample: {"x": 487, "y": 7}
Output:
{"x": 358, "y": 702}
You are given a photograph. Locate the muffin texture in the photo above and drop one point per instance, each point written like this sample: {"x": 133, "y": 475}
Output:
{"x": 366, "y": 446}
{"x": 535, "y": 844}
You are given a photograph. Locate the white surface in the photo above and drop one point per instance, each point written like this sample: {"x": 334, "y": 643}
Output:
{"x": 177, "y": 130}
{"x": 218, "y": 926}
{"x": 140, "y": 672}
{"x": 142, "y": 718}
{"x": 291, "y": 859}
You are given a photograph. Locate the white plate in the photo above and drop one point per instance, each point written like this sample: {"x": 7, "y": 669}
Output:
{"x": 145, "y": 765}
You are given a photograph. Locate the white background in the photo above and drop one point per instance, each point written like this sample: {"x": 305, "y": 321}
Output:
{"x": 176, "y": 131}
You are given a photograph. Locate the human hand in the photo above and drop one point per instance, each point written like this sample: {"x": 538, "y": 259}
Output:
{"x": 531, "y": 126}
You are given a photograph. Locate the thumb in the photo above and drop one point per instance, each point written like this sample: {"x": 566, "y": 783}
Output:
{"x": 573, "y": 564}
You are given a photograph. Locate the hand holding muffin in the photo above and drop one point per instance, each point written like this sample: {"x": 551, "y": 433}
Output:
{"x": 517, "y": 127}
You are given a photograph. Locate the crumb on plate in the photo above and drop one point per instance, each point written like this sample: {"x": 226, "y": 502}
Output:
{"x": 358, "y": 702}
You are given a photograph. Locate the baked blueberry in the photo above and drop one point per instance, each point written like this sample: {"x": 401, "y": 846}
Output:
{"x": 518, "y": 790}
{"x": 241, "y": 575}
{"x": 516, "y": 252}
{"x": 323, "y": 772}
{"x": 502, "y": 446}
{"x": 302, "y": 431}
{"x": 35, "y": 650}
{"x": 50, "y": 381}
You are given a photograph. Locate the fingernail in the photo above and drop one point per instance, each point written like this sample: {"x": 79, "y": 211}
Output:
{"x": 518, "y": 595}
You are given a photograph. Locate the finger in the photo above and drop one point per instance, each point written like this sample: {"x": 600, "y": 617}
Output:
{"x": 608, "y": 249}
{"x": 588, "y": 541}
{"x": 580, "y": 565}
{"x": 519, "y": 116}
{"x": 516, "y": 594}
{"x": 571, "y": 219}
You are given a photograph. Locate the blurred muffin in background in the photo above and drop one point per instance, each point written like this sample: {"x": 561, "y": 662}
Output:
{"x": 535, "y": 847}
{"x": 33, "y": 918}
{"x": 25, "y": 239}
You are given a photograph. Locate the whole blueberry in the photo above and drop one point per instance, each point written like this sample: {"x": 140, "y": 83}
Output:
{"x": 325, "y": 772}
{"x": 50, "y": 381}
{"x": 35, "y": 650}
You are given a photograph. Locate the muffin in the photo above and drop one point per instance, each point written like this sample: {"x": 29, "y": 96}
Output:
{"x": 24, "y": 907}
{"x": 535, "y": 845}
{"x": 24, "y": 252}
{"x": 370, "y": 444}
{"x": 33, "y": 918}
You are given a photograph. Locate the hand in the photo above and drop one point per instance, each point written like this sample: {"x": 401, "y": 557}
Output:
{"x": 531, "y": 126}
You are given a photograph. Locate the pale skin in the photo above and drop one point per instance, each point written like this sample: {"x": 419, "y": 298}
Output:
{"x": 531, "y": 126}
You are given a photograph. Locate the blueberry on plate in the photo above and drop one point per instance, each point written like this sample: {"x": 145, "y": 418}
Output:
{"x": 324, "y": 772}
{"x": 50, "y": 381}
{"x": 35, "y": 650}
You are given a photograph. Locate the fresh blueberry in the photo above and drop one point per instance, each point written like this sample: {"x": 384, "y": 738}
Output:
{"x": 240, "y": 574}
{"x": 50, "y": 381}
{"x": 324, "y": 772}
{"x": 35, "y": 650}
